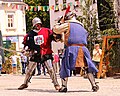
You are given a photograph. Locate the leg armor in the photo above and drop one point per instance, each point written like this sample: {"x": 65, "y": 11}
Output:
{"x": 30, "y": 69}
{"x": 64, "y": 85}
{"x": 52, "y": 74}
{"x": 94, "y": 85}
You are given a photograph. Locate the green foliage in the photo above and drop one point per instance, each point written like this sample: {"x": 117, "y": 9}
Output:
{"x": 7, "y": 66}
{"x": 44, "y": 16}
{"x": 89, "y": 21}
{"x": 109, "y": 32}
{"x": 106, "y": 14}
{"x": 115, "y": 54}
{"x": 107, "y": 22}
{"x": 115, "y": 51}
{"x": 12, "y": 47}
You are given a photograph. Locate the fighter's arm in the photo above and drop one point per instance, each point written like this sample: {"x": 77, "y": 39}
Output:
{"x": 60, "y": 29}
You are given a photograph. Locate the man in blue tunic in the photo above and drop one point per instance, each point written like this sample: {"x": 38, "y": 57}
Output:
{"x": 76, "y": 54}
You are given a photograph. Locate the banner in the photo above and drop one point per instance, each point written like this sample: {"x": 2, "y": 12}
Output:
{"x": 42, "y": 8}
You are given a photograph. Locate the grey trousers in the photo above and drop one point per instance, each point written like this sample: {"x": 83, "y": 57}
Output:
{"x": 32, "y": 66}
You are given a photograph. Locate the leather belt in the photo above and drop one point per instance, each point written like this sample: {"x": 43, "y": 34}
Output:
{"x": 76, "y": 45}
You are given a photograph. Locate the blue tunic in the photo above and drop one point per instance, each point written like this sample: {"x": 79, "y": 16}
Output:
{"x": 78, "y": 35}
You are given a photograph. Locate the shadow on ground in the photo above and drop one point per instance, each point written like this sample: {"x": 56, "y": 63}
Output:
{"x": 49, "y": 90}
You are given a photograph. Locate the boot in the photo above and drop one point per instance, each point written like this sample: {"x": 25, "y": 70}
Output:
{"x": 23, "y": 86}
{"x": 28, "y": 75}
{"x": 64, "y": 85}
{"x": 63, "y": 89}
{"x": 91, "y": 78}
{"x": 95, "y": 88}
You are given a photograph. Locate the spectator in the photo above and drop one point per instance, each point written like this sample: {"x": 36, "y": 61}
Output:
{"x": 0, "y": 64}
{"x": 23, "y": 62}
{"x": 14, "y": 63}
{"x": 55, "y": 62}
{"x": 97, "y": 52}
{"x": 40, "y": 66}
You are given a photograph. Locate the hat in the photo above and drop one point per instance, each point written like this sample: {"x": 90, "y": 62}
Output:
{"x": 35, "y": 21}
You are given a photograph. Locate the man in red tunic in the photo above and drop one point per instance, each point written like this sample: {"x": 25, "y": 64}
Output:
{"x": 39, "y": 44}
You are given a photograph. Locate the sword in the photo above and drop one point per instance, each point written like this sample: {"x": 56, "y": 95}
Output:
{"x": 9, "y": 50}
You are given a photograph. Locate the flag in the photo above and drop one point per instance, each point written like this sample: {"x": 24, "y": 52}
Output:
{"x": 31, "y": 8}
{"x": 52, "y": 7}
{"x": 70, "y": 3}
{"x": 47, "y": 8}
{"x": 44, "y": 8}
{"x": 40, "y": 8}
{"x": 13, "y": 6}
{"x": 17, "y": 6}
{"x": 61, "y": 6}
{"x": 56, "y": 7}
{"x": 26, "y": 7}
{"x": 35, "y": 8}
{"x": 8, "y": 4}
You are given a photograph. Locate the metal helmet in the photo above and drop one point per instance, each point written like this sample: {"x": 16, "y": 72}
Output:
{"x": 59, "y": 19}
{"x": 69, "y": 15}
{"x": 35, "y": 21}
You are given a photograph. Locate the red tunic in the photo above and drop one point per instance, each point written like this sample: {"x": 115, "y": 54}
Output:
{"x": 45, "y": 48}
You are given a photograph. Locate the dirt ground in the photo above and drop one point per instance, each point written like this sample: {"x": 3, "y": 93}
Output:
{"x": 42, "y": 86}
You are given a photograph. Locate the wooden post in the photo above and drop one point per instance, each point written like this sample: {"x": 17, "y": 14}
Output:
{"x": 107, "y": 57}
{"x": 102, "y": 57}
{"x": 104, "y": 47}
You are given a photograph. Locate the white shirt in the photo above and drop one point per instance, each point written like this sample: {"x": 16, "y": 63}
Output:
{"x": 23, "y": 58}
{"x": 14, "y": 59}
{"x": 0, "y": 59}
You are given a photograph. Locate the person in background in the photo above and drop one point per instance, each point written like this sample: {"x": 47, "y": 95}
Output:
{"x": 55, "y": 62}
{"x": 14, "y": 63}
{"x": 23, "y": 62}
{"x": 43, "y": 68}
{"x": 40, "y": 68}
{"x": 0, "y": 63}
{"x": 97, "y": 52}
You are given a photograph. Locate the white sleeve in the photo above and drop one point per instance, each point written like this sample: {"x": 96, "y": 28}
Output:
{"x": 100, "y": 51}
{"x": 94, "y": 51}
